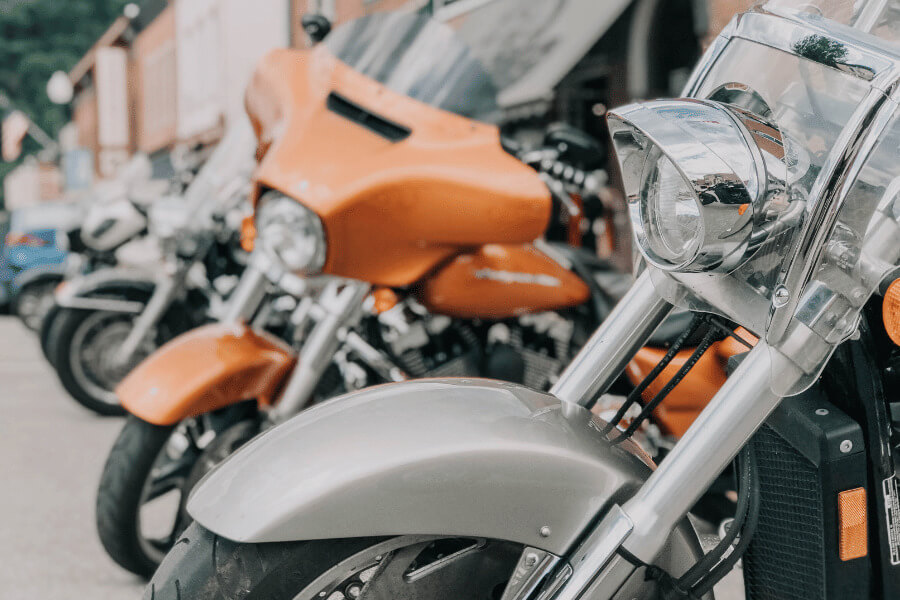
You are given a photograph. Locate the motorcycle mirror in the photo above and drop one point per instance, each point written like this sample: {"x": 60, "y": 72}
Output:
{"x": 316, "y": 27}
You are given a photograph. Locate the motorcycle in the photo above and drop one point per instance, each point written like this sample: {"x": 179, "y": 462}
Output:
{"x": 404, "y": 229}
{"x": 107, "y": 321}
{"x": 767, "y": 196}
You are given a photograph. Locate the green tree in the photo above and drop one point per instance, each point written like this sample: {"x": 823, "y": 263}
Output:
{"x": 37, "y": 38}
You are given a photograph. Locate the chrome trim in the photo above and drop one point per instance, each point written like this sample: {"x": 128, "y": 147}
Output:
{"x": 829, "y": 194}
{"x": 104, "y": 304}
{"x": 730, "y": 159}
{"x": 615, "y": 342}
{"x": 595, "y": 552}
{"x": 248, "y": 295}
{"x": 165, "y": 292}
{"x": 338, "y": 307}
{"x": 534, "y": 565}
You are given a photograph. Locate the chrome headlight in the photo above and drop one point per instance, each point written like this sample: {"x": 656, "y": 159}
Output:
{"x": 702, "y": 180}
{"x": 290, "y": 233}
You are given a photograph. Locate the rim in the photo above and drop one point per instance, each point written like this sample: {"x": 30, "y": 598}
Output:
{"x": 34, "y": 304}
{"x": 163, "y": 491}
{"x": 411, "y": 567}
{"x": 194, "y": 448}
{"x": 93, "y": 353}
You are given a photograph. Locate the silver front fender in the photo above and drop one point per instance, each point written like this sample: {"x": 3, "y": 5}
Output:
{"x": 453, "y": 457}
{"x": 80, "y": 292}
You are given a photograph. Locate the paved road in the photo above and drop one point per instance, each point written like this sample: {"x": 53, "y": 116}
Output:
{"x": 51, "y": 455}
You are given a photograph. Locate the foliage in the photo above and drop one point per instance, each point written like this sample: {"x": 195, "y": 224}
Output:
{"x": 39, "y": 37}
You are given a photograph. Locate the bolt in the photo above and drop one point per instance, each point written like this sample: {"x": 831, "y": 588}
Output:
{"x": 545, "y": 531}
{"x": 822, "y": 412}
{"x": 782, "y": 295}
{"x": 846, "y": 446}
{"x": 531, "y": 560}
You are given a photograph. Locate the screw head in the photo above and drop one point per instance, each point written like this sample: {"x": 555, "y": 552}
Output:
{"x": 531, "y": 560}
{"x": 846, "y": 446}
{"x": 545, "y": 531}
{"x": 821, "y": 411}
{"x": 781, "y": 296}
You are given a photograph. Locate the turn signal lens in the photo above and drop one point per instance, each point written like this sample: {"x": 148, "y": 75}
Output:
{"x": 248, "y": 233}
{"x": 890, "y": 311}
{"x": 854, "y": 541}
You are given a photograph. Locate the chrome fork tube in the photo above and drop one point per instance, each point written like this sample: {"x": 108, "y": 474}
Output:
{"x": 247, "y": 296}
{"x": 163, "y": 294}
{"x": 646, "y": 520}
{"x": 614, "y": 343}
{"x": 319, "y": 349}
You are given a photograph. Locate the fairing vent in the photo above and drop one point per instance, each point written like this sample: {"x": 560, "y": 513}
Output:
{"x": 361, "y": 116}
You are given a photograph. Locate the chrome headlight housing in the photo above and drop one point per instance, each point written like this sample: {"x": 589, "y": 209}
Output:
{"x": 702, "y": 181}
{"x": 290, "y": 233}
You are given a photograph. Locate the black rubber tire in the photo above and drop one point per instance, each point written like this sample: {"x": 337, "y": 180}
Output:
{"x": 204, "y": 566}
{"x": 119, "y": 495}
{"x": 48, "y": 333}
{"x": 65, "y": 325}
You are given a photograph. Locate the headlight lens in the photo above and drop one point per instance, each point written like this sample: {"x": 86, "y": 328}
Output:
{"x": 290, "y": 233}
{"x": 704, "y": 182}
{"x": 671, "y": 212}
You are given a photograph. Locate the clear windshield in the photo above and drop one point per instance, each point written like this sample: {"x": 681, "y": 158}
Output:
{"x": 878, "y": 17}
{"x": 223, "y": 178}
{"x": 817, "y": 108}
{"x": 415, "y": 55}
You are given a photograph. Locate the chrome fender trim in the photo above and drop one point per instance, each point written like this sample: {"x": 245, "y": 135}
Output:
{"x": 467, "y": 457}
{"x": 77, "y": 292}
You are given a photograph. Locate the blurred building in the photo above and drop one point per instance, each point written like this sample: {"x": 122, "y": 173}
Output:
{"x": 31, "y": 183}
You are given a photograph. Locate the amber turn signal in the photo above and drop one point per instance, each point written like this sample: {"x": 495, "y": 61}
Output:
{"x": 248, "y": 233}
{"x": 854, "y": 542}
{"x": 890, "y": 311}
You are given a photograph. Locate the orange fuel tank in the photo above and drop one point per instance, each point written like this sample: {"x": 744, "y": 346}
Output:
{"x": 400, "y": 186}
{"x": 499, "y": 281}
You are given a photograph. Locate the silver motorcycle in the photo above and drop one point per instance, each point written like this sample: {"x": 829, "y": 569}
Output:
{"x": 769, "y": 197}
{"x": 107, "y": 321}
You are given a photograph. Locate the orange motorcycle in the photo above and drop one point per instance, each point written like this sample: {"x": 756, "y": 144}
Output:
{"x": 387, "y": 205}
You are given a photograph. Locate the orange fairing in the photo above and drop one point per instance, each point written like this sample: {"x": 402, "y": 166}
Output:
{"x": 500, "y": 281}
{"x": 392, "y": 209}
{"x": 211, "y": 367}
{"x": 688, "y": 398}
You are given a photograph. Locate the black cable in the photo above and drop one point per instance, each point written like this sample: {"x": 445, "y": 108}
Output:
{"x": 702, "y": 347}
{"x": 634, "y": 397}
{"x": 728, "y": 563}
{"x": 696, "y": 573}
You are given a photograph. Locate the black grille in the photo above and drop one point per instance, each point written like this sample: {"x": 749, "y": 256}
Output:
{"x": 786, "y": 559}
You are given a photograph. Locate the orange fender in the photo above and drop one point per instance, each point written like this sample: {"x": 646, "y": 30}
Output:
{"x": 206, "y": 369}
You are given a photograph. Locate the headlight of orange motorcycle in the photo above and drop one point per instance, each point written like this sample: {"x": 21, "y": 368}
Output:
{"x": 290, "y": 233}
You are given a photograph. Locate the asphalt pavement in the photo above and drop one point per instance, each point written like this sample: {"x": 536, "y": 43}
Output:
{"x": 51, "y": 454}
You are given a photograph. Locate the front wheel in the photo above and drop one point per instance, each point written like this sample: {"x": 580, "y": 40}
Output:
{"x": 204, "y": 566}
{"x": 34, "y": 301}
{"x": 150, "y": 471}
{"x": 85, "y": 355}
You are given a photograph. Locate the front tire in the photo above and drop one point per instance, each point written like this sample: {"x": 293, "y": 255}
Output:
{"x": 204, "y": 566}
{"x": 150, "y": 472}
{"x": 84, "y": 354}
{"x": 119, "y": 498}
